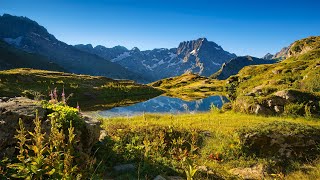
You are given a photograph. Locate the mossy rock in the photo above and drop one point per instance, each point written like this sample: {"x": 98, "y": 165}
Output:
{"x": 281, "y": 141}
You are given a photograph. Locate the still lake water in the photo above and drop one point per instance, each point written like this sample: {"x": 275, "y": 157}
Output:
{"x": 164, "y": 104}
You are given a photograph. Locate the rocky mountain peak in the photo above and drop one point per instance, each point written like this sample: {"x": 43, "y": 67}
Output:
{"x": 268, "y": 56}
{"x": 282, "y": 54}
{"x": 191, "y": 47}
{"x": 135, "y": 49}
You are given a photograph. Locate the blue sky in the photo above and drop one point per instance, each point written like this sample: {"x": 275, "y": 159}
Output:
{"x": 244, "y": 27}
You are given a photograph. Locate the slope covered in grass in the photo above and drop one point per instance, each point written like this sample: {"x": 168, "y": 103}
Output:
{"x": 91, "y": 92}
{"x": 295, "y": 79}
{"x": 190, "y": 86}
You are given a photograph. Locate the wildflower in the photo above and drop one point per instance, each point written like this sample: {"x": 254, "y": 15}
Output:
{"x": 51, "y": 95}
{"x": 78, "y": 107}
{"x": 55, "y": 94}
{"x": 63, "y": 97}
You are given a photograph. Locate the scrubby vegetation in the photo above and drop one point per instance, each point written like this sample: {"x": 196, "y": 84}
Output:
{"x": 157, "y": 144}
{"x": 50, "y": 153}
{"x": 91, "y": 92}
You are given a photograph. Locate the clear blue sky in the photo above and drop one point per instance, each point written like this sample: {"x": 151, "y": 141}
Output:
{"x": 239, "y": 26}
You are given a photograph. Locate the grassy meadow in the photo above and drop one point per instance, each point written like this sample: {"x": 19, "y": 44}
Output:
{"x": 91, "y": 92}
{"x": 218, "y": 147}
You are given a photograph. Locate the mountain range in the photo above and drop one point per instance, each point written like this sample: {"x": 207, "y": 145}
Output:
{"x": 198, "y": 56}
{"x": 29, "y": 36}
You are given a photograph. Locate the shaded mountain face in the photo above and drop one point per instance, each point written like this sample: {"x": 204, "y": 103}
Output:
{"x": 11, "y": 57}
{"x": 29, "y": 36}
{"x": 233, "y": 66}
{"x": 198, "y": 56}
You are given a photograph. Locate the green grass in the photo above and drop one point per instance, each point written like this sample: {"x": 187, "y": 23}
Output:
{"x": 190, "y": 86}
{"x": 222, "y": 140}
{"x": 91, "y": 92}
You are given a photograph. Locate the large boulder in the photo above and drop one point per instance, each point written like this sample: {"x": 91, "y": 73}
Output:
{"x": 281, "y": 141}
{"x": 13, "y": 109}
{"x": 10, "y": 112}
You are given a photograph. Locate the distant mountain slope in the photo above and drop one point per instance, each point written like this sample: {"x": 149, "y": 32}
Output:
{"x": 233, "y": 66}
{"x": 198, "y": 56}
{"x": 282, "y": 54}
{"x": 11, "y": 58}
{"x": 29, "y": 36}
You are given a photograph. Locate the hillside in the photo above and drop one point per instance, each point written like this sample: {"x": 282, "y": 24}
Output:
{"x": 29, "y": 36}
{"x": 190, "y": 86}
{"x": 91, "y": 92}
{"x": 288, "y": 87}
{"x": 11, "y": 58}
{"x": 233, "y": 66}
{"x": 291, "y": 85}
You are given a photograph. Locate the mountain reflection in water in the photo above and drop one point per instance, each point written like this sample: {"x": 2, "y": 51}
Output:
{"x": 164, "y": 104}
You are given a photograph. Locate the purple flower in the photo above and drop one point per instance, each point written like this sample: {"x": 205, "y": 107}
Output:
{"x": 51, "y": 95}
{"x": 63, "y": 96}
{"x": 78, "y": 107}
{"x": 55, "y": 94}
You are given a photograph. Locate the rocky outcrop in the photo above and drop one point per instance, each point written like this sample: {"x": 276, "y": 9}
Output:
{"x": 278, "y": 103}
{"x": 303, "y": 46}
{"x": 10, "y": 112}
{"x": 11, "y": 109}
{"x": 281, "y": 141}
{"x": 299, "y": 47}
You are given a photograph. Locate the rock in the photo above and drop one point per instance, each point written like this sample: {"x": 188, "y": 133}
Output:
{"x": 279, "y": 109}
{"x": 255, "y": 172}
{"x": 285, "y": 94}
{"x": 250, "y": 94}
{"x": 10, "y": 112}
{"x": 276, "y": 101}
{"x": 89, "y": 134}
{"x": 257, "y": 89}
{"x": 159, "y": 177}
{"x": 262, "y": 110}
{"x": 124, "y": 167}
{"x": 103, "y": 134}
{"x": 202, "y": 168}
{"x": 13, "y": 109}
{"x": 282, "y": 141}
{"x": 276, "y": 71}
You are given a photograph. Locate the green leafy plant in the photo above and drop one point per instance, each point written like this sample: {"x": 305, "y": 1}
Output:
{"x": 42, "y": 158}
